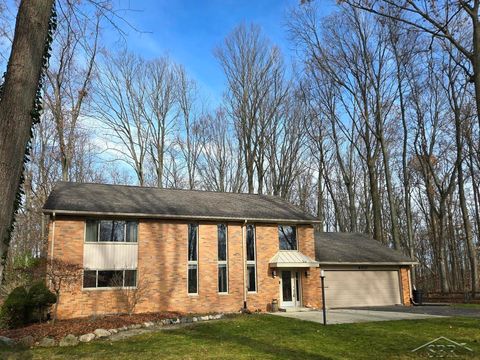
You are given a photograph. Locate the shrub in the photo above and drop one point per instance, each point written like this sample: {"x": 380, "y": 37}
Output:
{"x": 40, "y": 298}
{"x": 14, "y": 308}
{"x": 22, "y": 307}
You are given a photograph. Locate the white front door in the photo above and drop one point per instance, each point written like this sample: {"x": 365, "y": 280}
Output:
{"x": 290, "y": 288}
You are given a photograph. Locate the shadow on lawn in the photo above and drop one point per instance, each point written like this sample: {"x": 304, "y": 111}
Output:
{"x": 276, "y": 350}
{"x": 16, "y": 353}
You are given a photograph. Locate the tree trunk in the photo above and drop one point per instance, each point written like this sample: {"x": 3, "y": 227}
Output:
{"x": 472, "y": 252}
{"x": 16, "y": 104}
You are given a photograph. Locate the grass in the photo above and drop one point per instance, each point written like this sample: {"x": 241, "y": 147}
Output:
{"x": 467, "y": 306}
{"x": 272, "y": 337}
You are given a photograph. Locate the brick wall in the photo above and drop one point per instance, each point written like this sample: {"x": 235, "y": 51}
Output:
{"x": 162, "y": 269}
{"x": 311, "y": 286}
{"x": 405, "y": 282}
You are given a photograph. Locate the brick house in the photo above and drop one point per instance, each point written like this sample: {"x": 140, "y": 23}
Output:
{"x": 200, "y": 251}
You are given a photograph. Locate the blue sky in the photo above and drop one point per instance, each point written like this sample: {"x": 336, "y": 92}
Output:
{"x": 189, "y": 30}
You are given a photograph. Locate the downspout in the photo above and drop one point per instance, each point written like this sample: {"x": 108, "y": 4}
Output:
{"x": 53, "y": 236}
{"x": 244, "y": 266}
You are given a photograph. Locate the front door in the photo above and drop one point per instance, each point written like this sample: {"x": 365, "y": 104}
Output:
{"x": 290, "y": 288}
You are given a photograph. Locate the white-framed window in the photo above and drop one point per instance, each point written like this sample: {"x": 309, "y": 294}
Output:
{"x": 222, "y": 258}
{"x": 192, "y": 272}
{"x": 116, "y": 231}
{"x": 97, "y": 279}
{"x": 251, "y": 258}
{"x": 287, "y": 237}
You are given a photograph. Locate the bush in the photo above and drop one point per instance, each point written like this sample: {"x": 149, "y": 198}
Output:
{"x": 22, "y": 307}
{"x": 40, "y": 298}
{"x": 14, "y": 308}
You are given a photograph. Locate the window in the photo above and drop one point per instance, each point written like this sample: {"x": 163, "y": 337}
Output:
{"x": 222, "y": 258}
{"x": 287, "y": 236}
{"x": 111, "y": 231}
{"x": 109, "y": 278}
{"x": 89, "y": 279}
{"x": 192, "y": 259}
{"x": 251, "y": 259}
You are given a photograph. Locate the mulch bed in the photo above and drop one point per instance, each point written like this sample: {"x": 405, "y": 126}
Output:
{"x": 80, "y": 326}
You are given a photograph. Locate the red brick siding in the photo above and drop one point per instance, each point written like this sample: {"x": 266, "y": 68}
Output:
{"x": 405, "y": 283}
{"x": 162, "y": 264}
{"x": 311, "y": 286}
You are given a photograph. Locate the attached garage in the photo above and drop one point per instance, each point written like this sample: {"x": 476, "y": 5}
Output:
{"x": 360, "y": 271}
{"x": 355, "y": 288}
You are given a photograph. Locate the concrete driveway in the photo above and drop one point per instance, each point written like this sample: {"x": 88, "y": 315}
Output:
{"x": 442, "y": 310}
{"x": 344, "y": 316}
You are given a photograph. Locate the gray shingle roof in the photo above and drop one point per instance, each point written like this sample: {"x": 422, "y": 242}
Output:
{"x": 338, "y": 248}
{"x": 86, "y": 198}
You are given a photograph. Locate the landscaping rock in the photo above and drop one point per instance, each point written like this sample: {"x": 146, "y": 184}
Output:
{"x": 27, "y": 341}
{"x": 47, "y": 342}
{"x": 148, "y": 324}
{"x": 113, "y": 331}
{"x": 87, "y": 337}
{"x": 101, "y": 333}
{"x": 134, "y": 326}
{"x": 123, "y": 328}
{"x": 204, "y": 318}
{"x": 167, "y": 321}
{"x": 69, "y": 340}
{"x": 6, "y": 341}
{"x": 194, "y": 319}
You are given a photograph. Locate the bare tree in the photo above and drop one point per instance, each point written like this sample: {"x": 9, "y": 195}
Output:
{"x": 254, "y": 73}
{"x": 131, "y": 296}
{"x": 457, "y": 23}
{"x": 190, "y": 143}
{"x": 61, "y": 276}
{"x": 69, "y": 81}
{"x": 221, "y": 164}
{"x": 286, "y": 145}
{"x": 159, "y": 110}
{"x": 120, "y": 105}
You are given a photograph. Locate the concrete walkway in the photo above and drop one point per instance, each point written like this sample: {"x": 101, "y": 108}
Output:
{"x": 345, "y": 316}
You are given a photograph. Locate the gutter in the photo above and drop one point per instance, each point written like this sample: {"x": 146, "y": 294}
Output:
{"x": 176, "y": 217}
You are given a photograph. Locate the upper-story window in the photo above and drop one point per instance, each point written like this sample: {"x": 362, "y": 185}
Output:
{"x": 111, "y": 231}
{"x": 287, "y": 236}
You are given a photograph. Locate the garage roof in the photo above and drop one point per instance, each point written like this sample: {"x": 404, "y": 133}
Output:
{"x": 338, "y": 248}
{"x": 134, "y": 201}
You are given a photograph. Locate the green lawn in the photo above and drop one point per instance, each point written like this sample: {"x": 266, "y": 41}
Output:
{"x": 467, "y": 306}
{"x": 271, "y": 337}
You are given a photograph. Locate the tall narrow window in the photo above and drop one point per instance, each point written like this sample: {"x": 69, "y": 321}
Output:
{"x": 222, "y": 258}
{"x": 287, "y": 237}
{"x": 251, "y": 259}
{"x": 192, "y": 259}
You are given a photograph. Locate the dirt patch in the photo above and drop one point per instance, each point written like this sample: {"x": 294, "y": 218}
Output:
{"x": 80, "y": 326}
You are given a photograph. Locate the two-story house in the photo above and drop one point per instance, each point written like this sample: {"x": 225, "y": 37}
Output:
{"x": 198, "y": 251}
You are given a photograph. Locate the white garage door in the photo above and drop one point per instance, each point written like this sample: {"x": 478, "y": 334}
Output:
{"x": 351, "y": 288}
